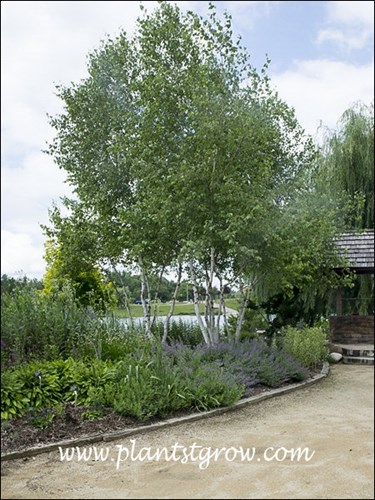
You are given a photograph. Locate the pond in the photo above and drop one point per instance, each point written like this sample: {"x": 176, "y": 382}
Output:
{"x": 185, "y": 318}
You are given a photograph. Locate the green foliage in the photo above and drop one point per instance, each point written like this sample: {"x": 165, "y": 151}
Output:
{"x": 43, "y": 419}
{"x": 145, "y": 380}
{"x": 14, "y": 398}
{"x": 119, "y": 344}
{"x": 347, "y": 164}
{"x": 28, "y": 388}
{"x": 132, "y": 284}
{"x": 278, "y": 368}
{"x": 255, "y": 320}
{"x": 184, "y": 332}
{"x": 143, "y": 385}
{"x": 40, "y": 326}
{"x": 89, "y": 284}
{"x": 10, "y": 285}
{"x": 94, "y": 412}
{"x": 293, "y": 308}
{"x": 42, "y": 385}
{"x": 36, "y": 326}
{"x": 208, "y": 386}
{"x": 141, "y": 389}
{"x": 345, "y": 174}
{"x": 306, "y": 344}
{"x": 359, "y": 299}
{"x": 248, "y": 363}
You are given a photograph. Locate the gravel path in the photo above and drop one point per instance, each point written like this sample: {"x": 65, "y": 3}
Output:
{"x": 333, "y": 418}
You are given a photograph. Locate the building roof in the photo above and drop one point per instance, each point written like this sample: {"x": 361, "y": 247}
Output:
{"x": 358, "y": 248}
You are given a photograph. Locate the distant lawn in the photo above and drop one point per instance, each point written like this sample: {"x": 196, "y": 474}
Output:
{"x": 163, "y": 309}
{"x": 233, "y": 304}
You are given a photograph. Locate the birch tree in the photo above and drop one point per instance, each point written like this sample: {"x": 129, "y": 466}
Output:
{"x": 181, "y": 149}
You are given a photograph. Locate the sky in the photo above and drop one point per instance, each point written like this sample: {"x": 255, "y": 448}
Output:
{"x": 322, "y": 62}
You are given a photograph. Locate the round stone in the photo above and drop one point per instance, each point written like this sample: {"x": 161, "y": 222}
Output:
{"x": 335, "y": 357}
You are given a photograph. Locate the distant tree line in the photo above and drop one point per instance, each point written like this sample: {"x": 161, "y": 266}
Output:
{"x": 123, "y": 281}
{"x": 11, "y": 285}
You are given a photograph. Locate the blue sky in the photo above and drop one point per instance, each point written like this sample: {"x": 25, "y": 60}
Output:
{"x": 284, "y": 33}
{"x": 322, "y": 61}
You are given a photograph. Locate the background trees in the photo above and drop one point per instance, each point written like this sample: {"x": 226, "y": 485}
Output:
{"x": 346, "y": 171}
{"x": 346, "y": 163}
{"x": 343, "y": 177}
{"x": 11, "y": 285}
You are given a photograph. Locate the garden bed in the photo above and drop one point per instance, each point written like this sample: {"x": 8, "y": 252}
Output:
{"x": 19, "y": 434}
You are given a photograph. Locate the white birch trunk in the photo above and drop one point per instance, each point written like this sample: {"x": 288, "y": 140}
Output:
{"x": 245, "y": 296}
{"x": 127, "y": 303}
{"x": 174, "y": 298}
{"x": 213, "y": 331}
{"x": 222, "y": 310}
{"x": 206, "y": 308}
{"x": 196, "y": 305}
{"x": 146, "y": 307}
{"x": 154, "y": 314}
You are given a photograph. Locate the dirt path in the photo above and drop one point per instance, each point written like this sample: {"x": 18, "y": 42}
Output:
{"x": 334, "y": 418}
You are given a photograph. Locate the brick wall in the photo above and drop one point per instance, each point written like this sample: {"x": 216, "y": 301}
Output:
{"x": 351, "y": 329}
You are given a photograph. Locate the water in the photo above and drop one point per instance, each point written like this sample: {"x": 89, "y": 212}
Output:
{"x": 185, "y": 318}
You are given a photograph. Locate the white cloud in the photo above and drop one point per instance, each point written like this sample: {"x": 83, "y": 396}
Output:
{"x": 20, "y": 255}
{"x": 321, "y": 90}
{"x": 27, "y": 192}
{"x": 245, "y": 14}
{"x": 351, "y": 12}
{"x": 350, "y": 25}
{"x": 349, "y": 40}
{"x": 43, "y": 43}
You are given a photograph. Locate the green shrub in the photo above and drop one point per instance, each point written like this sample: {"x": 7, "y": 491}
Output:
{"x": 308, "y": 345}
{"x": 141, "y": 388}
{"x": 35, "y": 385}
{"x": 184, "y": 332}
{"x": 207, "y": 386}
{"x": 251, "y": 362}
{"x": 36, "y": 327}
{"x": 146, "y": 383}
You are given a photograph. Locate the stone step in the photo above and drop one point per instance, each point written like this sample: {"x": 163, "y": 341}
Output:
{"x": 362, "y": 353}
{"x": 352, "y": 347}
{"x": 359, "y": 360}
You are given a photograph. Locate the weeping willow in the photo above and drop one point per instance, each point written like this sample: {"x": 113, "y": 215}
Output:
{"x": 346, "y": 171}
{"x": 347, "y": 163}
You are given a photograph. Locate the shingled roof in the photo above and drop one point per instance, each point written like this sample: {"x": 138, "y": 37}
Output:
{"x": 358, "y": 248}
